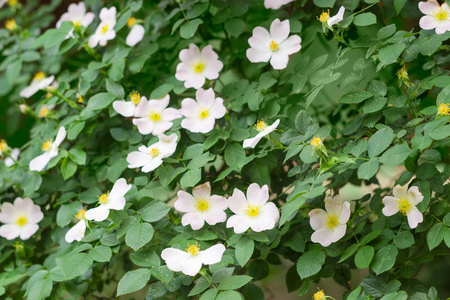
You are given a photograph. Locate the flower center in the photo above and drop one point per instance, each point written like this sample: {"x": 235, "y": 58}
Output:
{"x": 79, "y": 98}
{"x": 253, "y": 210}
{"x": 3, "y": 145}
{"x": 202, "y": 204}
{"x": 273, "y": 46}
{"x": 317, "y": 141}
{"x": 131, "y": 21}
{"x": 199, "y": 67}
{"x": 441, "y": 15}
{"x": 21, "y": 221}
{"x": 324, "y": 16}
{"x": 104, "y": 198}
{"x": 80, "y": 214}
{"x": 155, "y": 116}
{"x": 320, "y": 295}
{"x": 154, "y": 152}
{"x": 402, "y": 73}
{"x": 404, "y": 205}
{"x": 331, "y": 221}
{"x": 135, "y": 97}
{"x": 204, "y": 113}
{"x": 43, "y": 112}
{"x": 47, "y": 145}
{"x": 10, "y": 24}
{"x": 77, "y": 23}
{"x": 193, "y": 249}
{"x": 39, "y": 76}
{"x": 12, "y": 2}
{"x": 104, "y": 29}
{"x": 260, "y": 125}
{"x": 444, "y": 109}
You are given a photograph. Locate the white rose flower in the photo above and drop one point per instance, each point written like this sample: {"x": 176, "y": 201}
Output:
{"x": 45, "y": 110}
{"x": 136, "y": 33}
{"x": 436, "y": 16}
{"x": 330, "y": 21}
{"x": 11, "y": 160}
{"x": 39, "y": 82}
{"x": 275, "y": 4}
{"x": 153, "y": 116}
{"x": 201, "y": 206}
{"x": 195, "y": 66}
{"x": 50, "y": 150}
{"x": 201, "y": 115}
{"x": 190, "y": 261}
{"x": 78, "y": 16}
{"x": 111, "y": 200}
{"x": 149, "y": 158}
{"x": 127, "y": 108}
{"x": 76, "y": 233}
{"x": 263, "y": 130}
{"x": 330, "y": 225}
{"x": 105, "y": 30}
{"x": 404, "y": 201}
{"x": 254, "y": 211}
{"x": 275, "y": 46}
{"x": 20, "y": 219}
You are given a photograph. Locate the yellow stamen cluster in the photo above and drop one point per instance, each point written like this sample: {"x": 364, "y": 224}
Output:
{"x": 193, "y": 249}
{"x": 77, "y": 23}
{"x": 444, "y": 109}
{"x": 273, "y": 46}
{"x": 21, "y": 221}
{"x": 3, "y": 145}
{"x": 79, "y": 98}
{"x": 104, "y": 198}
{"x": 43, "y": 112}
{"x": 154, "y": 152}
{"x": 253, "y": 210}
{"x": 80, "y": 214}
{"x": 324, "y": 16}
{"x": 331, "y": 221}
{"x": 316, "y": 142}
{"x": 404, "y": 205}
{"x": 104, "y": 29}
{"x": 320, "y": 295}
{"x": 47, "y": 145}
{"x": 204, "y": 113}
{"x": 12, "y": 2}
{"x": 441, "y": 15}
{"x": 202, "y": 204}
{"x": 39, "y": 76}
{"x": 155, "y": 116}
{"x": 260, "y": 125}
{"x": 199, "y": 67}
{"x": 135, "y": 97}
{"x": 131, "y": 22}
{"x": 402, "y": 73}
{"x": 11, "y": 24}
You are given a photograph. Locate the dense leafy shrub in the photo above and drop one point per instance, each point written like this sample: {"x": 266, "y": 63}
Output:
{"x": 200, "y": 143}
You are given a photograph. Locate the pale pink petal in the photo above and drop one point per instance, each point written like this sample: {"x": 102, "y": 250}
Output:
{"x": 260, "y": 38}
{"x": 256, "y": 55}
{"x": 427, "y": 22}
{"x": 271, "y": 211}
{"x": 196, "y": 81}
{"x": 212, "y": 255}
{"x": 142, "y": 108}
{"x": 212, "y": 69}
{"x": 428, "y": 7}
{"x": 219, "y": 202}
{"x": 190, "y": 55}
{"x": 159, "y": 104}
{"x": 184, "y": 72}
{"x": 443, "y": 27}
{"x": 414, "y": 217}
{"x": 144, "y": 125}
{"x": 317, "y": 218}
{"x": 215, "y": 216}
{"x": 338, "y": 233}
{"x": 125, "y": 108}
{"x": 198, "y": 125}
{"x": 337, "y": 18}
{"x": 239, "y": 223}
{"x": 138, "y": 159}
{"x": 60, "y": 136}
{"x": 279, "y": 60}
{"x": 173, "y": 258}
{"x": 170, "y": 114}
{"x": 161, "y": 126}
{"x": 202, "y": 191}
{"x": 99, "y": 213}
{"x": 156, "y": 162}
{"x": 185, "y": 202}
{"x": 189, "y": 108}
{"x": 390, "y": 206}
{"x": 193, "y": 219}
{"x": 237, "y": 201}
{"x": 275, "y": 4}
{"x": 35, "y": 215}
{"x": 258, "y": 194}
{"x": 208, "y": 54}
{"x": 191, "y": 266}
{"x": 28, "y": 230}
{"x": 76, "y": 233}
{"x": 38, "y": 163}
{"x": 344, "y": 215}
{"x": 261, "y": 223}
{"x": 399, "y": 191}
{"x": 9, "y": 231}
{"x": 8, "y": 213}
{"x": 136, "y": 35}
{"x": 252, "y": 142}
{"x": 205, "y": 98}
{"x": 279, "y": 31}
{"x": 291, "y": 45}
{"x": 414, "y": 195}
{"x": 218, "y": 110}
{"x": 322, "y": 236}
{"x": 88, "y": 18}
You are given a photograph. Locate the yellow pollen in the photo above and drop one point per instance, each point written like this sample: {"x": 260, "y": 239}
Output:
{"x": 441, "y": 15}
{"x": 154, "y": 152}
{"x": 39, "y": 76}
{"x": 80, "y": 214}
{"x": 331, "y": 221}
{"x": 80, "y": 99}
{"x": 193, "y": 249}
{"x": 77, "y": 23}
{"x": 12, "y": 2}
{"x": 316, "y": 142}
{"x": 444, "y": 109}
{"x": 320, "y": 295}
{"x": 43, "y": 112}
{"x": 3, "y": 145}
{"x": 135, "y": 97}
{"x": 253, "y": 210}
{"x": 104, "y": 198}
{"x": 47, "y": 145}
{"x": 404, "y": 205}
{"x": 10, "y": 24}
{"x": 273, "y": 46}
{"x": 202, "y": 204}
{"x": 155, "y": 116}
{"x": 260, "y": 125}
{"x": 402, "y": 73}
{"x": 199, "y": 67}
{"x": 21, "y": 221}
{"x": 104, "y": 29}
{"x": 131, "y": 21}
{"x": 324, "y": 16}
{"x": 204, "y": 113}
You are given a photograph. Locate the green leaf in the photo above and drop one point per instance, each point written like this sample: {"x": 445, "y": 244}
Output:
{"x": 395, "y": 296}
{"x": 235, "y": 27}
{"x": 302, "y": 121}
{"x": 258, "y": 269}
{"x": 187, "y": 30}
{"x": 229, "y": 295}
{"x": 161, "y": 91}
{"x": 244, "y": 250}
{"x": 404, "y": 240}
{"x": 364, "y": 256}
{"x": 191, "y": 178}
{"x": 389, "y": 55}
{"x": 398, "y": 4}
{"x": 384, "y": 259}
{"x": 154, "y": 211}
{"x": 41, "y": 289}
{"x": 324, "y": 3}
{"x": 234, "y": 282}
{"x": 31, "y": 183}
{"x": 386, "y": 31}
{"x": 380, "y": 141}
{"x": 200, "y": 285}
{"x": 435, "y": 235}
{"x": 78, "y": 156}
{"x": 145, "y": 258}
{"x": 68, "y": 168}
{"x": 138, "y": 235}
{"x": 374, "y": 104}
{"x": 13, "y": 71}
{"x": 115, "y": 72}
{"x": 368, "y": 169}
{"x": 221, "y": 274}
{"x": 76, "y": 265}
{"x": 396, "y": 155}
{"x": 115, "y": 89}
{"x": 355, "y": 97}
{"x": 100, "y": 101}
{"x": 349, "y": 251}
{"x": 133, "y": 281}
{"x": 234, "y": 153}
{"x": 67, "y": 212}
{"x": 209, "y": 295}
{"x": 365, "y": 19}
{"x": 101, "y": 253}
{"x": 310, "y": 263}
{"x": 155, "y": 291}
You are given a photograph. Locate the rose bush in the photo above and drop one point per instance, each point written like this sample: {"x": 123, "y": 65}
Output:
{"x": 177, "y": 149}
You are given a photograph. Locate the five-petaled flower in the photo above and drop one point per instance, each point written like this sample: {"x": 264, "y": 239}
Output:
{"x": 137, "y": 32}
{"x": 153, "y": 116}
{"x": 76, "y": 233}
{"x": 252, "y": 212}
{"x": 436, "y": 16}
{"x": 404, "y": 201}
{"x": 127, "y": 108}
{"x": 197, "y": 65}
{"x": 201, "y": 206}
{"x": 275, "y": 46}
{"x": 201, "y": 115}
{"x": 39, "y": 82}
{"x": 78, "y": 16}
{"x": 50, "y": 149}
{"x": 149, "y": 158}
{"x": 330, "y": 225}
{"x": 20, "y": 219}
{"x": 263, "y": 130}
{"x": 114, "y": 200}
{"x": 105, "y": 30}
{"x": 330, "y": 21}
{"x": 275, "y": 4}
{"x": 190, "y": 262}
